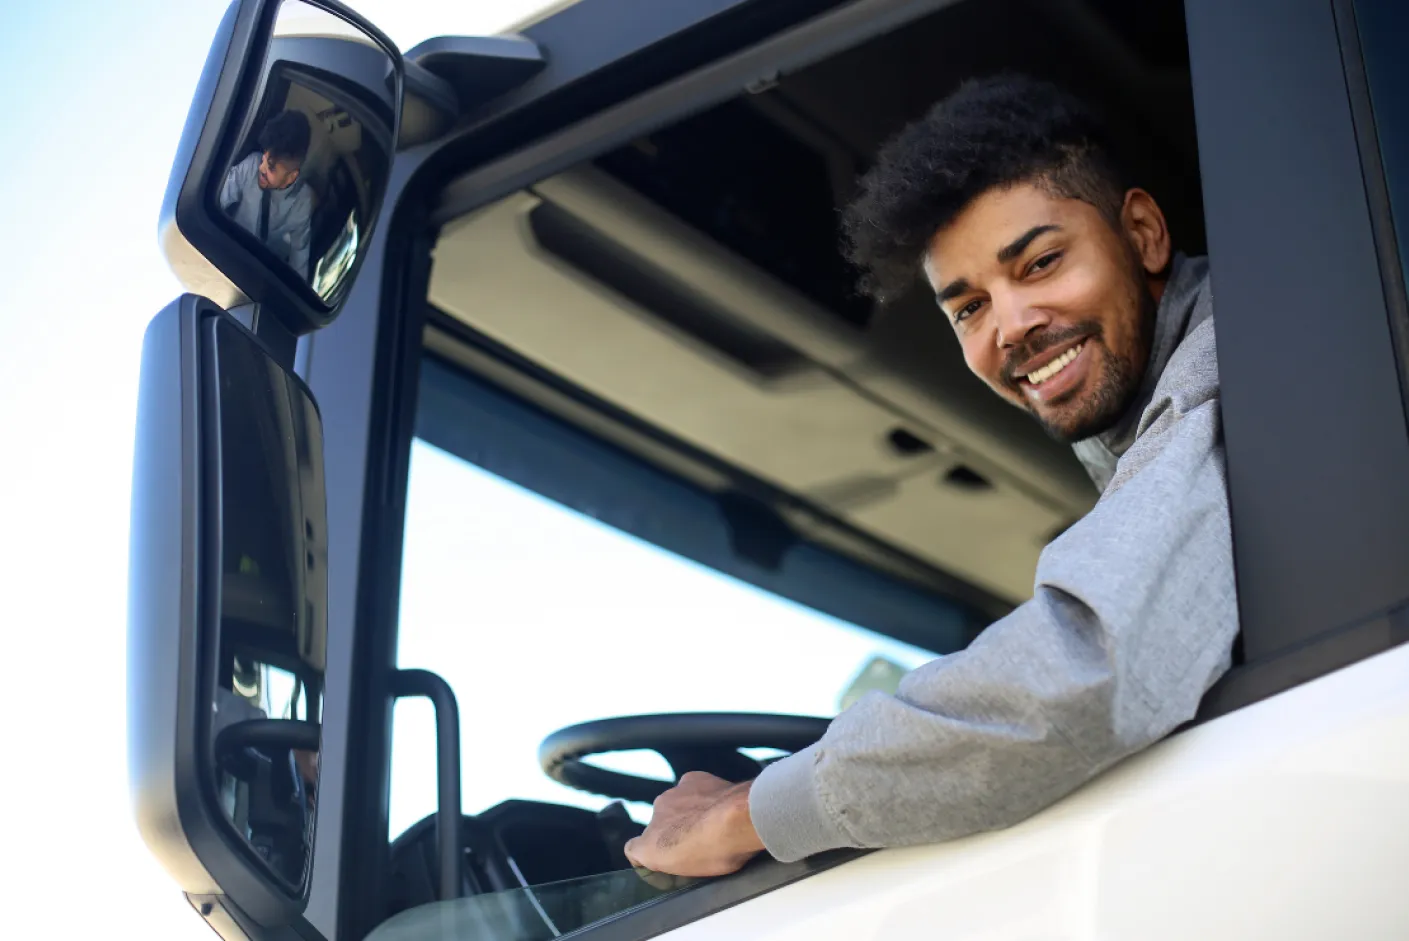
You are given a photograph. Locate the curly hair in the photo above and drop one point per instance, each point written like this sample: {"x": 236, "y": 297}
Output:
{"x": 286, "y": 137}
{"x": 993, "y": 132}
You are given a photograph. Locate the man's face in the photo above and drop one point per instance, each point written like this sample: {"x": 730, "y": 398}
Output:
{"x": 1050, "y": 301}
{"x": 276, "y": 173}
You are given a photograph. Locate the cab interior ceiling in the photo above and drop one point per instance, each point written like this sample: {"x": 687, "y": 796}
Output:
{"x": 692, "y": 280}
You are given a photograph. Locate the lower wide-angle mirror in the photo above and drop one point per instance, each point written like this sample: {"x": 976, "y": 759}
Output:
{"x": 268, "y": 596}
{"x": 228, "y": 613}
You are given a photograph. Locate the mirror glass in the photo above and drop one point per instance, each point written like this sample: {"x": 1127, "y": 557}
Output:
{"x": 271, "y": 603}
{"x": 309, "y": 170}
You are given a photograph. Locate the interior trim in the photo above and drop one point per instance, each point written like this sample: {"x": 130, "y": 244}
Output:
{"x": 596, "y": 255}
{"x": 802, "y": 45}
{"x": 519, "y": 431}
{"x": 456, "y": 343}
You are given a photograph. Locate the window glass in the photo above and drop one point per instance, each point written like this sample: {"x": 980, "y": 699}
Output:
{"x": 540, "y": 617}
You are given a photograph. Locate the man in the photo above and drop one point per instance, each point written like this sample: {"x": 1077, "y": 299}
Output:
{"x": 1068, "y": 300}
{"x": 263, "y": 192}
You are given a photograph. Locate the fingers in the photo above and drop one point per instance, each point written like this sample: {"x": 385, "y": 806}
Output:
{"x": 695, "y": 830}
{"x": 645, "y": 852}
{"x": 662, "y": 880}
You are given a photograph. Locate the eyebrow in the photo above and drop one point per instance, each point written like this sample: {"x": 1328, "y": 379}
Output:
{"x": 1005, "y": 254}
{"x": 950, "y": 291}
{"x": 1017, "y": 247}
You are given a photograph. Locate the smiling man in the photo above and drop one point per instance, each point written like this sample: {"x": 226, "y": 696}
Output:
{"x": 1063, "y": 289}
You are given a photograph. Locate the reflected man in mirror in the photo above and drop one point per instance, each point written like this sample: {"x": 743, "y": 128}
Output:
{"x": 1063, "y": 288}
{"x": 264, "y": 194}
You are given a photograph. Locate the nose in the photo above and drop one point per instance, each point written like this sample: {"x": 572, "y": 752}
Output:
{"x": 1016, "y": 320}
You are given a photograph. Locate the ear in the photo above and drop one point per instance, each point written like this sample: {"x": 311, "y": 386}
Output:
{"x": 1147, "y": 231}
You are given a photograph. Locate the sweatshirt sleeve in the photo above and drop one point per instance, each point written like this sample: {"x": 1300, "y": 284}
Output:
{"x": 236, "y": 181}
{"x": 1133, "y": 617}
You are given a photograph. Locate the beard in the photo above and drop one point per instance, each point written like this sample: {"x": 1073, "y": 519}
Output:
{"x": 1116, "y": 380}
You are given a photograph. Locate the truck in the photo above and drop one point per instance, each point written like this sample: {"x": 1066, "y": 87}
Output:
{"x": 591, "y": 265}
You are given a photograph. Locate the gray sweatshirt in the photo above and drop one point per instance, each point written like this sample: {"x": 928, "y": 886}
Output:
{"x": 1133, "y": 617}
{"x": 286, "y": 222}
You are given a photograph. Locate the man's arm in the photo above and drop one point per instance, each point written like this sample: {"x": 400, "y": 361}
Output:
{"x": 1133, "y": 617}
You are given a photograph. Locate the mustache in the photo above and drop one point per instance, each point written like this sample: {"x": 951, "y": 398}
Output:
{"x": 1037, "y": 345}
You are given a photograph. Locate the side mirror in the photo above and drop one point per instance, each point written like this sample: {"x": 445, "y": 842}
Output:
{"x": 227, "y": 618}
{"x": 285, "y": 159}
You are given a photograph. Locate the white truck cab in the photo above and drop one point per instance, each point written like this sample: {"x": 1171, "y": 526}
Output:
{"x": 513, "y": 366}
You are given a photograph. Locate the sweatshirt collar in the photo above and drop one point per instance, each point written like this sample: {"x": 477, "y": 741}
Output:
{"x": 1172, "y": 324}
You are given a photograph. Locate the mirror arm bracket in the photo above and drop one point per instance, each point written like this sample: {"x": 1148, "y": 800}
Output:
{"x": 407, "y": 683}
{"x": 478, "y": 68}
{"x": 260, "y": 320}
{"x": 425, "y": 84}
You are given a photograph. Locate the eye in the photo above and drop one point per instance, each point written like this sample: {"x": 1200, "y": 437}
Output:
{"x": 1045, "y": 262}
{"x": 967, "y": 311}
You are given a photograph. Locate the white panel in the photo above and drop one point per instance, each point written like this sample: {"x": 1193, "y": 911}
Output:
{"x": 991, "y": 538}
{"x": 802, "y": 430}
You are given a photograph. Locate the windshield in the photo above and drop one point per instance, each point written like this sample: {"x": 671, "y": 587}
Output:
{"x": 540, "y": 617}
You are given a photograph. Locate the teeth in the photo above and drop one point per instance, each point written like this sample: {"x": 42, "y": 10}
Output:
{"x": 1039, "y": 376}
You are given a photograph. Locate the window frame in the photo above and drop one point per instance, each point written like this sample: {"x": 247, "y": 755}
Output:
{"x": 1336, "y": 592}
{"x": 369, "y": 370}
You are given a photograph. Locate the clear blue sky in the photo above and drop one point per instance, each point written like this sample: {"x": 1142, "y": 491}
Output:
{"x": 97, "y": 95}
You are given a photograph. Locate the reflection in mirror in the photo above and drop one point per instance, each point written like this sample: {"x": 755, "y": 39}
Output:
{"x": 309, "y": 172}
{"x": 269, "y": 658}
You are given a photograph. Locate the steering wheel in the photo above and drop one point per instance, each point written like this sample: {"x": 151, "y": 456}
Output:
{"x": 699, "y": 741}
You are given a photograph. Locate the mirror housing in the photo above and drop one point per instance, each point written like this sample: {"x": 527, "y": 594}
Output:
{"x": 342, "y": 76}
{"x": 227, "y": 602}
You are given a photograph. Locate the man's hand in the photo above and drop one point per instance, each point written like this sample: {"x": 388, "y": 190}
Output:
{"x": 307, "y": 764}
{"x": 700, "y": 827}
